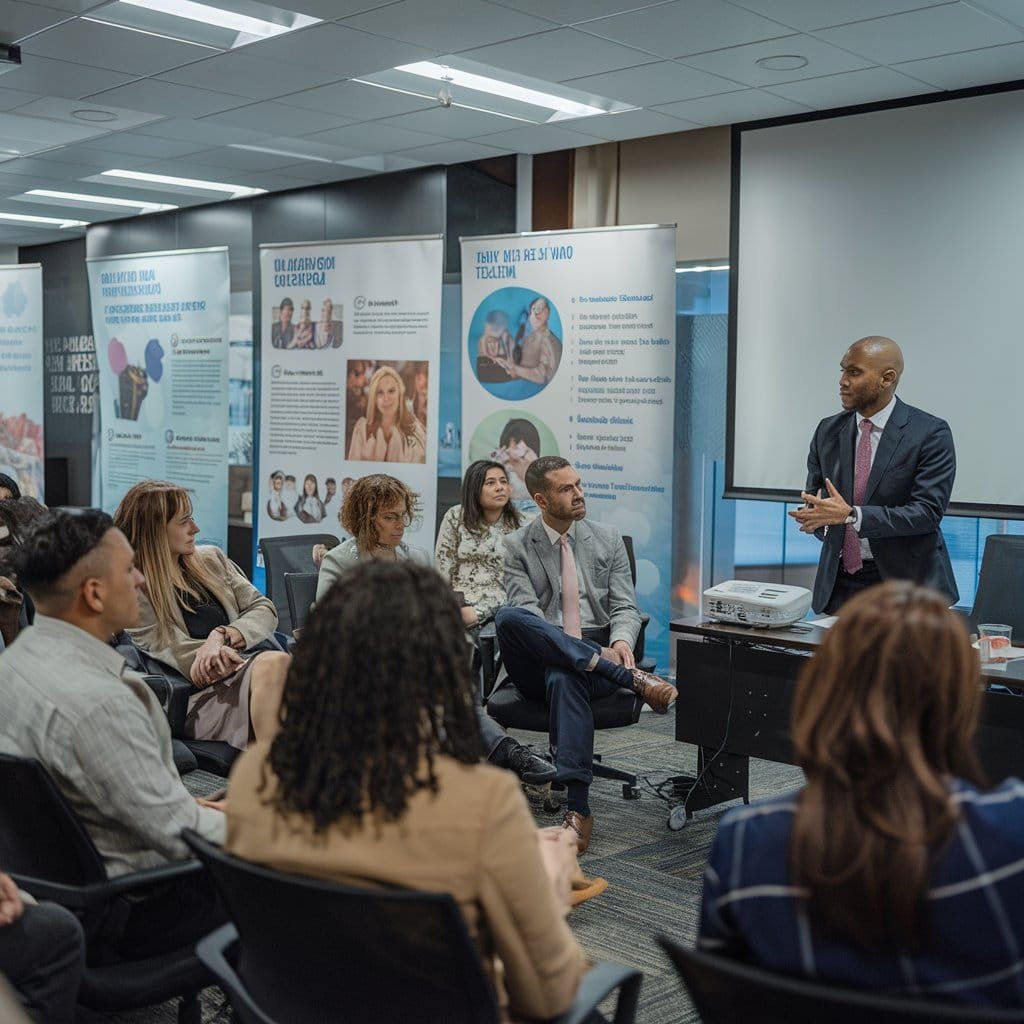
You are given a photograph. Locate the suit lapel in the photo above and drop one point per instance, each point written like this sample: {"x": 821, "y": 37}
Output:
{"x": 844, "y": 478}
{"x": 887, "y": 445}
{"x": 546, "y": 553}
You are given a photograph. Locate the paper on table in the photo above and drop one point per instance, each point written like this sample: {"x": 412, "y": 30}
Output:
{"x": 1009, "y": 653}
{"x": 826, "y": 621}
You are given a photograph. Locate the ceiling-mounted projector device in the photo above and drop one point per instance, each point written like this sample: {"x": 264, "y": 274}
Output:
{"x": 763, "y": 605}
{"x": 10, "y": 57}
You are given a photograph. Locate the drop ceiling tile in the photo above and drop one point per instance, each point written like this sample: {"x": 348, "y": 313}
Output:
{"x": 195, "y": 167}
{"x": 343, "y": 52}
{"x": 308, "y": 147}
{"x": 60, "y": 78}
{"x": 540, "y": 138}
{"x": 18, "y": 20}
{"x": 740, "y": 62}
{"x": 69, "y": 6}
{"x": 11, "y": 99}
{"x": 277, "y": 119}
{"x": 170, "y": 99}
{"x": 52, "y": 133}
{"x": 631, "y": 124}
{"x": 36, "y": 168}
{"x": 77, "y": 160}
{"x": 452, "y": 24}
{"x": 663, "y": 82}
{"x": 375, "y": 137}
{"x": 1012, "y": 10}
{"x": 951, "y": 28}
{"x": 199, "y": 131}
{"x": 558, "y": 55}
{"x": 311, "y": 173}
{"x": 453, "y": 152}
{"x": 249, "y": 160}
{"x": 335, "y": 10}
{"x": 57, "y": 108}
{"x": 242, "y": 74}
{"x": 808, "y": 15}
{"x": 356, "y": 100}
{"x": 687, "y": 26}
{"x": 113, "y": 48}
{"x": 975, "y": 67}
{"x": 872, "y": 85}
{"x": 569, "y": 12}
{"x": 453, "y": 122}
{"x": 733, "y": 107}
{"x": 145, "y": 147}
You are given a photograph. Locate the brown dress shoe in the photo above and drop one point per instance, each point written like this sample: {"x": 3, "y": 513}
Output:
{"x": 582, "y": 825}
{"x": 654, "y": 691}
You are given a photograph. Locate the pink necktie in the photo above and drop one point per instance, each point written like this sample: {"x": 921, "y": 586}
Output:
{"x": 570, "y": 591}
{"x": 852, "y": 560}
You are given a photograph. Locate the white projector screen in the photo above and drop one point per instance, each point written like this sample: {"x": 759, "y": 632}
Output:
{"x": 906, "y": 222}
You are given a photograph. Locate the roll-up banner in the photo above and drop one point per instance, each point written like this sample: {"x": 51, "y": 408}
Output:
{"x": 161, "y": 322}
{"x": 569, "y": 349}
{"x": 350, "y": 350}
{"x": 21, "y": 376}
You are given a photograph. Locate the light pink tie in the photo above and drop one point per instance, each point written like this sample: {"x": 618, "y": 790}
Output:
{"x": 852, "y": 560}
{"x": 570, "y": 591}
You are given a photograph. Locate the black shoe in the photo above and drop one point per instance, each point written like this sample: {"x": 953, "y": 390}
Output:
{"x": 530, "y": 767}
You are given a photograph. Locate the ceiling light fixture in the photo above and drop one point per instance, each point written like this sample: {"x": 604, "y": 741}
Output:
{"x": 80, "y": 197}
{"x": 782, "y": 62}
{"x": 280, "y": 152}
{"x": 208, "y": 15}
{"x": 701, "y": 270}
{"x": 236, "y": 191}
{"x": 450, "y": 76}
{"x": 55, "y": 222}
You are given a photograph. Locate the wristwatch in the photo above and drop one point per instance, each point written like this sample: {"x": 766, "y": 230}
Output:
{"x": 850, "y": 519}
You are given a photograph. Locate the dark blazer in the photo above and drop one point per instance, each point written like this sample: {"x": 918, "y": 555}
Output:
{"x": 907, "y": 494}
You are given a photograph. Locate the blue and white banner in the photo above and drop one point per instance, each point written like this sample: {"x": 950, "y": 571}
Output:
{"x": 569, "y": 349}
{"x": 21, "y": 376}
{"x": 350, "y": 350}
{"x": 161, "y": 322}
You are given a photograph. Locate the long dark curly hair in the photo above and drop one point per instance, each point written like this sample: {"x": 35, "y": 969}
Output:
{"x": 372, "y": 697}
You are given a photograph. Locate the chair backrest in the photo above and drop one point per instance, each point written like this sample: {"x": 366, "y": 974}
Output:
{"x": 40, "y": 836}
{"x": 628, "y": 541}
{"x": 293, "y": 553}
{"x": 1000, "y": 596}
{"x": 725, "y": 991}
{"x": 301, "y": 590}
{"x": 368, "y": 955}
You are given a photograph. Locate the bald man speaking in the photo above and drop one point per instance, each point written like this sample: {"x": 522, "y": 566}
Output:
{"x": 879, "y": 476}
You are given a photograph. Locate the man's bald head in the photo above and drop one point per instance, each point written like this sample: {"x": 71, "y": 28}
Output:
{"x": 882, "y": 352}
{"x": 871, "y": 370}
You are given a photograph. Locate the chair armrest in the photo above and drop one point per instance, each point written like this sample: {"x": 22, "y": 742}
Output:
{"x": 600, "y": 981}
{"x": 85, "y": 897}
{"x": 490, "y": 658}
{"x": 214, "y": 951}
{"x": 173, "y": 692}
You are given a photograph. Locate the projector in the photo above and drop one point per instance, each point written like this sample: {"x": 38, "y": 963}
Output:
{"x": 763, "y": 605}
{"x": 10, "y": 57}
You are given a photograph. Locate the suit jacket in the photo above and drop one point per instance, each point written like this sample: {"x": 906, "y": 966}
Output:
{"x": 907, "y": 494}
{"x": 474, "y": 838}
{"x": 533, "y": 575}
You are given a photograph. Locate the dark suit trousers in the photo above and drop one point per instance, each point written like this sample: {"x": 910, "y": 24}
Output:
{"x": 546, "y": 664}
{"x": 43, "y": 956}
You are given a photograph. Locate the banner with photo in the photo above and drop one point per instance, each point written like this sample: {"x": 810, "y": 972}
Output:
{"x": 161, "y": 322}
{"x": 21, "y": 376}
{"x": 569, "y": 349}
{"x": 350, "y": 349}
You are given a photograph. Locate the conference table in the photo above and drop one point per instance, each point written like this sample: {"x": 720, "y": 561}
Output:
{"x": 736, "y": 687}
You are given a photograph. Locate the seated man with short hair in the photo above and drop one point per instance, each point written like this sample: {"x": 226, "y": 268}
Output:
{"x": 96, "y": 727}
{"x": 568, "y": 637}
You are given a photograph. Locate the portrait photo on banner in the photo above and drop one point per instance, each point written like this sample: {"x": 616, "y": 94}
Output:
{"x": 293, "y": 325}
{"x": 515, "y": 439}
{"x": 386, "y": 410}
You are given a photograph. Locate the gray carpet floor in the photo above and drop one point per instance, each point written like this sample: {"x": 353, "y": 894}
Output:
{"x": 654, "y": 874}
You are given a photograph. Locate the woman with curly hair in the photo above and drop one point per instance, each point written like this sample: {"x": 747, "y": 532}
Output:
{"x": 894, "y": 868}
{"x": 375, "y": 778}
{"x": 388, "y": 432}
{"x": 198, "y": 613}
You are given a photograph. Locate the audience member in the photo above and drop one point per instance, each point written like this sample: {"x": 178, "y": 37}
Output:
{"x": 568, "y": 637}
{"x": 98, "y": 729}
{"x": 200, "y": 614}
{"x": 42, "y": 954}
{"x": 16, "y": 611}
{"x": 375, "y": 778}
{"x": 894, "y": 868}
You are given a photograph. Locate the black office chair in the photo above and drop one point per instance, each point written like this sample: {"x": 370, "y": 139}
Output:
{"x": 45, "y": 849}
{"x": 726, "y": 990}
{"x": 293, "y": 553}
{"x": 299, "y": 945}
{"x": 301, "y": 590}
{"x": 1000, "y": 596}
{"x": 507, "y": 706}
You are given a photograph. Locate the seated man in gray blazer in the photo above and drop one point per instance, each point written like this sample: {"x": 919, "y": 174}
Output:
{"x": 567, "y": 636}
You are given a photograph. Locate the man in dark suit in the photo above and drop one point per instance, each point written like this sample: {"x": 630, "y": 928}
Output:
{"x": 886, "y": 470}
{"x": 567, "y": 636}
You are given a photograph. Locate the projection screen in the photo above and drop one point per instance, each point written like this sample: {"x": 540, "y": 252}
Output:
{"x": 906, "y": 222}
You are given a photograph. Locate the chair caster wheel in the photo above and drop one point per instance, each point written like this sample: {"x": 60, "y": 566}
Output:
{"x": 630, "y": 792}
{"x": 677, "y": 818}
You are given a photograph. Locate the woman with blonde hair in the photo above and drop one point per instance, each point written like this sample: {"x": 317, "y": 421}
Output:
{"x": 388, "y": 432}
{"x": 894, "y": 868}
{"x": 198, "y": 613}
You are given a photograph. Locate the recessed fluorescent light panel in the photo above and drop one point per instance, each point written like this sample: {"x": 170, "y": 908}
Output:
{"x": 138, "y": 205}
{"x": 188, "y": 184}
{"x": 464, "y": 83}
{"x": 44, "y": 222}
{"x": 229, "y": 24}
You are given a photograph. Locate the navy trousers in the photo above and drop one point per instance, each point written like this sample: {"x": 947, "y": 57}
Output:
{"x": 546, "y": 664}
